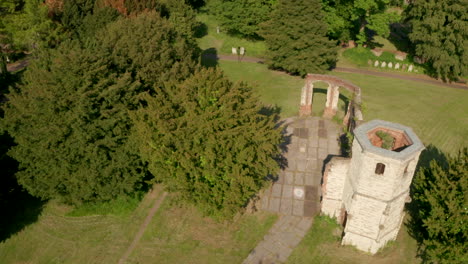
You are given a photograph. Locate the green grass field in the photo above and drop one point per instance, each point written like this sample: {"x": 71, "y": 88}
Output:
{"x": 223, "y": 43}
{"x": 182, "y": 235}
{"x": 175, "y": 235}
{"x": 437, "y": 114}
{"x": 322, "y": 245}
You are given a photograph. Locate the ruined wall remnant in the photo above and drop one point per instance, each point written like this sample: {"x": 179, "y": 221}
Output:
{"x": 353, "y": 114}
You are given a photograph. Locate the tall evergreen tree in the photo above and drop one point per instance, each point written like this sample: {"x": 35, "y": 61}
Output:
{"x": 150, "y": 47}
{"x": 207, "y": 140}
{"x": 296, "y": 38}
{"x": 242, "y": 17}
{"x": 70, "y": 118}
{"x": 71, "y": 127}
{"x": 351, "y": 19}
{"x": 441, "y": 193}
{"x": 440, "y": 35}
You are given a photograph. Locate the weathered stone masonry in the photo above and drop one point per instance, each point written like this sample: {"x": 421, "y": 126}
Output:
{"x": 353, "y": 113}
{"x": 367, "y": 192}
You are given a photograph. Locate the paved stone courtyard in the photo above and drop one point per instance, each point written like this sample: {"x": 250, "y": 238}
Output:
{"x": 297, "y": 189}
{"x": 295, "y": 194}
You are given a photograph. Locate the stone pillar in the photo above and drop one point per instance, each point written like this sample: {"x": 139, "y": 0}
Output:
{"x": 306, "y": 99}
{"x": 331, "y": 106}
{"x": 348, "y": 114}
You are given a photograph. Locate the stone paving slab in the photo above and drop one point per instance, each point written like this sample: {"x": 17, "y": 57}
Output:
{"x": 312, "y": 140}
{"x": 279, "y": 243}
{"x": 296, "y": 193}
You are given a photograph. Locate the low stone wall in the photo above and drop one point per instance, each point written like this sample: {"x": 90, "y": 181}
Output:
{"x": 334, "y": 178}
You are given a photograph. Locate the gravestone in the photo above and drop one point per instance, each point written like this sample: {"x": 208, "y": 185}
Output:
{"x": 234, "y": 51}
{"x": 390, "y": 65}
{"x": 410, "y": 68}
{"x": 383, "y": 65}
{"x": 397, "y": 66}
{"x": 376, "y": 63}
{"x": 242, "y": 51}
{"x": 404, "y": 67}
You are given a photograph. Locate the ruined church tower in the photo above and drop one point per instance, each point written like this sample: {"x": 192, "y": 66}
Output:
{"x": 367, "y": 192}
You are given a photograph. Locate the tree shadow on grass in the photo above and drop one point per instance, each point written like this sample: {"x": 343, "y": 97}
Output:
{"x": 209, "y": 58}
{"x": 18, "y": 207}
{"x": 414, "y": 223}
{"x": 201, "y": 30}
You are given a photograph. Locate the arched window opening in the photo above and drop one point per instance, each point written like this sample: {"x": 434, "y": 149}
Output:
{"x": 380, "y": 168}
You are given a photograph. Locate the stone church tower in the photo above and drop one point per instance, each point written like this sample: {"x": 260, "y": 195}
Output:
{"x": 367, "y": 192}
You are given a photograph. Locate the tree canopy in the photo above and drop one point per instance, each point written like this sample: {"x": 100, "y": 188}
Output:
{"x": 296, "y": 38}
{"x": 242, "y": 17}
{"x": 351, "y": 19}
{"x": 441, "y": 193}
{"x": 440, "y": 36}
{"x": 207, "y": 140}
{"x": 70, "y": 118}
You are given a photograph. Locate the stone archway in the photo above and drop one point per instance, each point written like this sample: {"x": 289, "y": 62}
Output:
{"x": 353, "y": 113}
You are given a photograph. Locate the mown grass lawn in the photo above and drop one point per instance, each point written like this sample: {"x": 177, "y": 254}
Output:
{"x": 322, "y": 245}
{"x": 437, "y": 114}
{"x": 183, "y": 235}
{"x": 223, "y": 43}
{"x": 175, "y": 235}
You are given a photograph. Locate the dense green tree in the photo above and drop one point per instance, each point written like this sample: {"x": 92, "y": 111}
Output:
{"x": 296, "y": 38}
{"x": 177, "y": 11}
{"x": 207, "y": 140}
{"x": 71, "y": 127}
{"x": 150, "y": 47}
{"x": 32, "y": 28}
{"x": 441, "y": 193}
{"x": 242, "y": 17}
{"x": 70, "y": 118}
{"x": 8, "y": 9}
{"x": 440, "y": 35}
{"x": 351, "y": 19}
{"x": 92, "y": 23}
{"x": 338, "y": 18}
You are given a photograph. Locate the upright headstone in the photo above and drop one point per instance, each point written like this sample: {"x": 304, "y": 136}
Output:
{"x": 410, "y": 68}
{"x": 217, "y": 29}
{"x": 376, "y": 63}
{"x": 383, "y": 64}
{"x": 397, "y": 66}
{"x": 234, "y": 51}
{"x": 404, "y": 67}
{"x": 390, "y": 65}
{"x": 242, "y": 51}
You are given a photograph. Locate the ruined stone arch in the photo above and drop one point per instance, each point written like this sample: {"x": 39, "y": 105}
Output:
{"x": 353, "y": 113}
